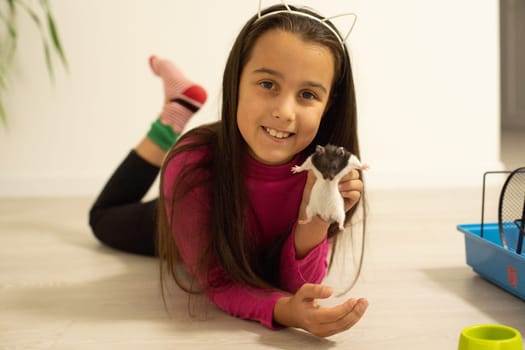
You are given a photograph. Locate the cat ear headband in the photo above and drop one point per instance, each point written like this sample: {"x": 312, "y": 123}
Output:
{"x": 324, "y": 21}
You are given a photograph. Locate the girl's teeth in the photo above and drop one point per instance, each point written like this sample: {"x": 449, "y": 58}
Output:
{"x": 278, "y": 134}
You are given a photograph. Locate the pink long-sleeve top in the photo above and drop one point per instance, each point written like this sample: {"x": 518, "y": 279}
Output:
{"x": 274, "y": 194}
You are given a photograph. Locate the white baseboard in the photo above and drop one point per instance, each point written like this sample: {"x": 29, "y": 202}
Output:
{"x": 44, "y": 186}
{"x": 58, "y": 186}
{"x": 417, "y": 176}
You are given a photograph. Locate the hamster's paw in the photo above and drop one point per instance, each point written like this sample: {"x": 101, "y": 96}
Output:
{"x": 296, "y": 169}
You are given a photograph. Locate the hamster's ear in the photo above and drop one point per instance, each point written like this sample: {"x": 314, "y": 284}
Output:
{"x": 340, "y": 151}
{"x": 319, "y": 149}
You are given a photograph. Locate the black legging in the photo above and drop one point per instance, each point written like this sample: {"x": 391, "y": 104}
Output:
{"x": 118, "y": 217}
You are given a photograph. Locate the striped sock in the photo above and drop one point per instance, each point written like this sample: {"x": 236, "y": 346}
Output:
{"x": 162, "y": 135}
{"x": 183, "y": 97}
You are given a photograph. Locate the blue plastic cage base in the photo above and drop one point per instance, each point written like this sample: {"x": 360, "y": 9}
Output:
{"x": 487, "y": 257}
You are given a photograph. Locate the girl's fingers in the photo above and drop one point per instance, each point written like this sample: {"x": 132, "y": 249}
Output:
{"x": 310, "y": 291}
{"x": 351, "y": 181}
{"x": 351, "y": 196}
{"x": 326, "y": 321}
{"x": 328, "y": 315}
{"x": 355, "y": 310}
{"x": 350, "y": 188}
{"x": 352, "y": 175}
{"x": 351, "y": 193}
{"x": 352, "y": 318}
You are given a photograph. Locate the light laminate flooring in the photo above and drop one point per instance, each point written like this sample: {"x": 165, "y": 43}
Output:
{"x": 61, "y": 289}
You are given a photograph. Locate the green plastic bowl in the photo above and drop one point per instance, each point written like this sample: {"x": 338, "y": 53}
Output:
{"x": 490, "y": 337}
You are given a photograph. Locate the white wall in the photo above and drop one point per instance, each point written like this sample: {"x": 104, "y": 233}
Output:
{"x": 427, "y": 77}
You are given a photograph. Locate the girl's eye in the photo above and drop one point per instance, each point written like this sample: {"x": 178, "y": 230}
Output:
{"x": 308, "y": 95}
{"x": 266, "y": 84}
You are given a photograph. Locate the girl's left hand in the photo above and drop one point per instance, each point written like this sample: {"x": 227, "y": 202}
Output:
{"x": 301, "y": 310}
{"x": 350, "y": 188}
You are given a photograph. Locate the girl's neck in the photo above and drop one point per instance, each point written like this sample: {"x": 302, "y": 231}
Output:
{"x": 253, "y": 167}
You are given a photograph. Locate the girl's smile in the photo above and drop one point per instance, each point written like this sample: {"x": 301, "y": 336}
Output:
{"x": 276, "y": 133}
{"x": 283, "y": 92}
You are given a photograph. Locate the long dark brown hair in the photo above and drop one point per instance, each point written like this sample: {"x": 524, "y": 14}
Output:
{"x": 225, "y": 229}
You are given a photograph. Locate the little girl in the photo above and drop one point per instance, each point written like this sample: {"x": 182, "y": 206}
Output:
{"x": 229, "y": 204}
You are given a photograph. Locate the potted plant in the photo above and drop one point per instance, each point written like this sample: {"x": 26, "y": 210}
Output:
{"x": 40, "y": 13}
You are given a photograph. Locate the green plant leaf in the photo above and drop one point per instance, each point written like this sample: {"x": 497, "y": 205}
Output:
{"x": 32, "y": 14}
{"x": 55, "y": 39}
{"x": 38, "y": 23}
{"x": 8, "y": 43}
{"x": 49, "y": 63}
{"x": 10, "y": 26}
{"x": 53, "y": 32}
{"x": 3, "y": 116}
{"x": 3, "y": 84}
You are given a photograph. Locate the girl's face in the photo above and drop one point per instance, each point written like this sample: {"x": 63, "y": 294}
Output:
{"x": 283, "y": 91}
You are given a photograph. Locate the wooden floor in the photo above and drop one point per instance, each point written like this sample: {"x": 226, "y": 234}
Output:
{"x": 60, "y": 289}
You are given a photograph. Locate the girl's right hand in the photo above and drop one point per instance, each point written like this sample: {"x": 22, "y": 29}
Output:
{"x": 302, "y": 311}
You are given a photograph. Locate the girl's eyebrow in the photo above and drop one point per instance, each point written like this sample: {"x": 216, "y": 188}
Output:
{"x": 268, "y": 71}
{"x": 278, "y": 74}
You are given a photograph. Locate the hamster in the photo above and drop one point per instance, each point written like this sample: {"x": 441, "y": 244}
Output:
{"x": 329, "y": 164}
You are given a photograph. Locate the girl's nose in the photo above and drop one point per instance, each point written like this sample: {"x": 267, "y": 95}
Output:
{"x": 285, "y": 109}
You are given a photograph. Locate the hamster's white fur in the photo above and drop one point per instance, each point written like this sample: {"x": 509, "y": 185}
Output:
{"x": 325, "y": 199}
